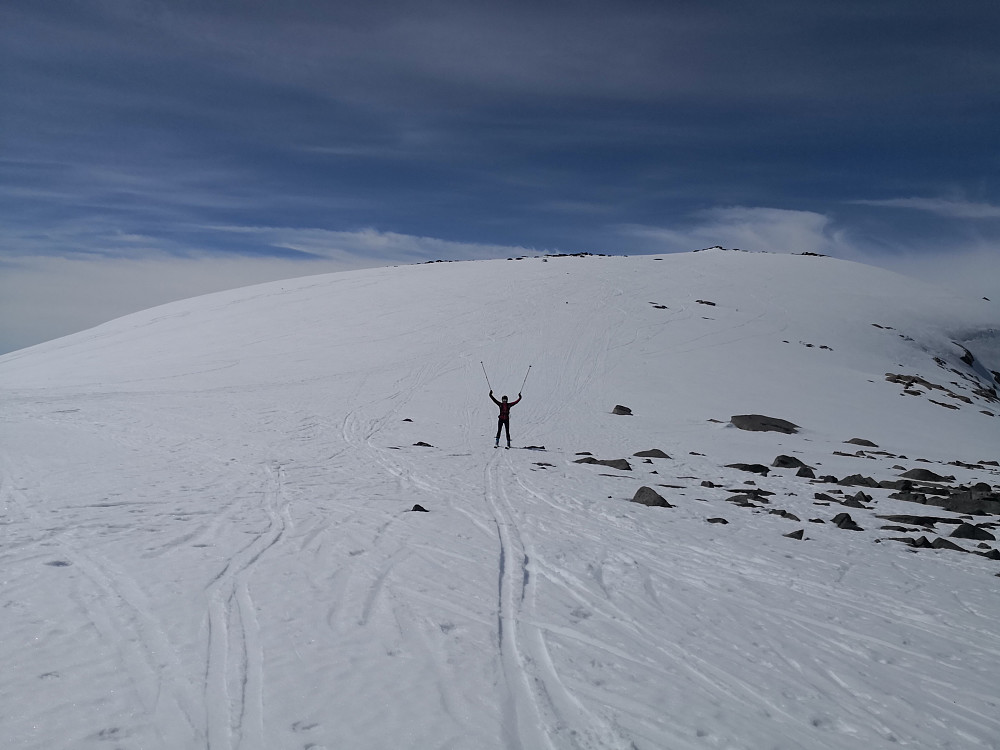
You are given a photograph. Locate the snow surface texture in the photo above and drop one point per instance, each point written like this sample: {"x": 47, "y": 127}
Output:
{"x": 206, "y": 537}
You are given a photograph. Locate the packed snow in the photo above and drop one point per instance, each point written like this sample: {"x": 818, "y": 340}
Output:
{"x": 207, "y": 538}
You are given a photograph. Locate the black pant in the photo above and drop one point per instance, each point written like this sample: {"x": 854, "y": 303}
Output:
{"x": 501, "y": 423}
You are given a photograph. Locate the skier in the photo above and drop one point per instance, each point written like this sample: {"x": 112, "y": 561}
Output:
{"x": 504, "y": 419}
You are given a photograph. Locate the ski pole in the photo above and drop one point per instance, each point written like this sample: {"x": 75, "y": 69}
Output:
{"x": 525, "y": 378}
{"x": 487, "y": 376}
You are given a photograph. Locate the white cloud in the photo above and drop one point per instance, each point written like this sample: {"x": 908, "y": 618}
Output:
{"x": 748, "y": 228}
{"x": 954, "y": 209}
{"x": 968, "y": 267}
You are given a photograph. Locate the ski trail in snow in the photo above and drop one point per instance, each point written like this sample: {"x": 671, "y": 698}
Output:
{"x": 118, "y": 609}
{"x": 538, "y": 705}
{"x": 234, "y": 671}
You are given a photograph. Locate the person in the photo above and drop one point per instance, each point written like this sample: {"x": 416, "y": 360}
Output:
{"x": 504, "y": 419}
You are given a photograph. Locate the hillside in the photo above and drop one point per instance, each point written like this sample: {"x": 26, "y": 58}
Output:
{"x": 208, "y": 541}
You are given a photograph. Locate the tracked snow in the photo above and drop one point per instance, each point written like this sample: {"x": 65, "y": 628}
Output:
{"x": 206, "y": 537}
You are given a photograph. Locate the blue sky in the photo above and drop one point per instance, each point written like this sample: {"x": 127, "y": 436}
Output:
{"x": 156, "y": 150}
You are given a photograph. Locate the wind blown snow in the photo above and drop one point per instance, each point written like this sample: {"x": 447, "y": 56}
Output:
{"x": 207, "y": 539}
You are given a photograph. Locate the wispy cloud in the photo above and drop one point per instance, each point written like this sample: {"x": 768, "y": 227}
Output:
{"x": 747, "y": 228}
{"x": 947, "y": 207}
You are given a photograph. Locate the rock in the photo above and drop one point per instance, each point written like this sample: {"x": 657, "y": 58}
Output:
{"x": 744, "y": 501}
{"x": 800, "y": 534}
{"x": 788, "y": 462}
{"x": 622, "y": 411}
{"x": 857, "y": 501}
{"x": 856, "y": 480}
{"x": 784, "y": 514}
{"x": 652, "y": 453}
{"x": 717, "y": 520}
{"x": 910, "y": 497}
{"x": 614, "y": 463}
{"x": 761, "y": 423}
{"x": 926, "y": 475}
{"x": 422, "y": 444}
{"x": 968, "y": 531}
{"x": 844, "y": 521}
{"x": 967, "y": 503}
{"x": 648, "y": 496}
{"x": 419, "y": 509}
{"x": 896, "y": 484}
{"x": 861, "y": 441}
{"x": 940, "y": 543}
{"x": 752, "y": 468}
{"x": 806, "y": 473}
{"x": 927, "y": 521}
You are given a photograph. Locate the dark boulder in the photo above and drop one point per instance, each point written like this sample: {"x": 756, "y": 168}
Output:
{"x": 927, "y": 521}
{"x": 856, "y": 480}
{"x": 622, "y": 411}
{"x": 761, "y": 423}
{"x": 926, "y": 475}
{"x": 968, "y": 531}
{"x": 844, "y": 521}
{"x": 652, "y": 453}
{"x": 862, "y": 442}
{"x": 648, "y": 496}
{"x": 806, "y": 473}
{"x": 717, "y": 520}
{"x": 419, "y": 509}
{"x": 800, "y": 534}
{"x": 788, "y": 462}
{"x": 614, "y": 463}
{"x": 752, "y": 468}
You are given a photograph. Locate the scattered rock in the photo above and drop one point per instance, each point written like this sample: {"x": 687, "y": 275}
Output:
{"x": 614, "y": 463}
{"x": 622, "y": 410}
{"x": 806, "y": 473}
{"x": 761, "y": 423}
{"x": 861, "y": 441}
{"x": 968, "y": 531}
{"x": 422, "y": 444}
{"x": 419, "y": 509}
{"x": 784, "y": 514}
{"x": 652, "y": 453}
{"x": 800, "y": 534}
{"x": 926, "y": 475}
{"x": 844, "y": 521}
{"x": 927, "y": 521}
{"x": 788, "y": 462}
{"x": 752, "y": 468}
{"x": 705, "y": 302}
{"x": 717, "y": 520}
{"x": 856, "y": 480}
{"x": 648, "y": 496}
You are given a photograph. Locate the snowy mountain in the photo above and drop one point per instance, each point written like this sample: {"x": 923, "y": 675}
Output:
{"x": 207, "y": 536}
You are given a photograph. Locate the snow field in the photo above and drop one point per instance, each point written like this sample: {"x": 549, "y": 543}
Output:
{"x": 206, "y": 542}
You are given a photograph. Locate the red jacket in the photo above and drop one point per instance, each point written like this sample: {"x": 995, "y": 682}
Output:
{"x": 505, "y": 406}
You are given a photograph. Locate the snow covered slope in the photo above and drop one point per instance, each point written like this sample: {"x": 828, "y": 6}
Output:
{"x": 207, "y": 539}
